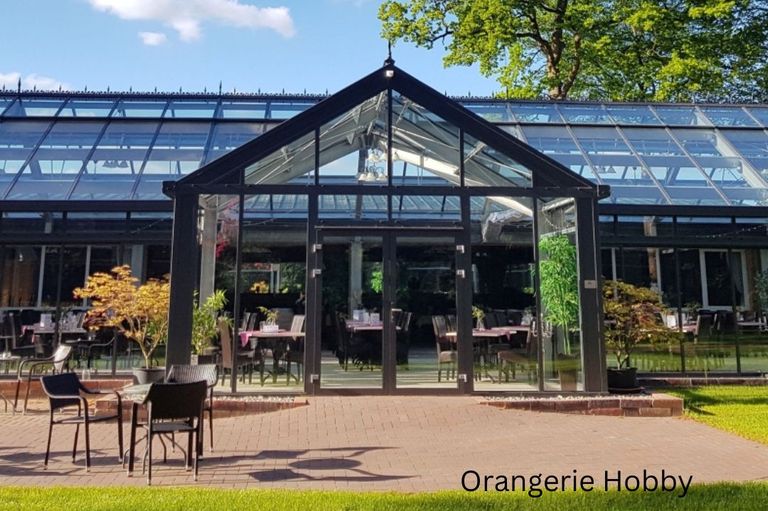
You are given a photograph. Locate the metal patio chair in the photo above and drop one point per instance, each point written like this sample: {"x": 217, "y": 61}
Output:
{"x": 192, "y": 373}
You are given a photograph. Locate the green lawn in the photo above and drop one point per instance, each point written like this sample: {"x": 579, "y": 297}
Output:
{"x": 737, "y": 409}
{"x": 702, "y": 497}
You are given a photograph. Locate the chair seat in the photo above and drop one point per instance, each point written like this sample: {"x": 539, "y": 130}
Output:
{"x": 512, "y": 356}
{"x": 171, "y": 427}
{"x": 447, "y": 356}
{"x": 74, "y": 419}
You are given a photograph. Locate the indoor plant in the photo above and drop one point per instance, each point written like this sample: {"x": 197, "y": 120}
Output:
{"x": 139, "y": 312}
{"x": 205, "y": 324}
{"x": 633, "y": 315}
{"x": 558, "y": 284}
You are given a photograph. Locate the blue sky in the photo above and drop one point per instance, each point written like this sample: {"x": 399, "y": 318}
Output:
{"x": 248, "y": 45}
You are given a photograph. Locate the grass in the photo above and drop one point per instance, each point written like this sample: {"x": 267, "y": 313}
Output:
{"x": 726, "y": 496}
{"x": 740, "y": 410}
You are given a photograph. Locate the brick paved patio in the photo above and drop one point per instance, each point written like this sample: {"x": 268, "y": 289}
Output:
{"x": 395, "y": 443}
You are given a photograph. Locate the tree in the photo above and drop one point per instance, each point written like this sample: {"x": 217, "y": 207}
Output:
{"x": 591, "y": 49}
{"x": 140, "y": 313}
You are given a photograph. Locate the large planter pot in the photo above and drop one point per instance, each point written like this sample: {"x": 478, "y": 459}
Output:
{"x": 144, "y": 375}
{"x": 623, "y": 380}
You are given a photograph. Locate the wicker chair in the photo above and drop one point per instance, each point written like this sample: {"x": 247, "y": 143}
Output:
{"x": 245, "y": 359}
{"x": 63, "y": 391}
{"x": 295, "y": 353}
{"x": 57, "y": 362}
{"x": 171, "y": 408}
{"x": 446, "y": 354}
{"x": 189, "y": 374}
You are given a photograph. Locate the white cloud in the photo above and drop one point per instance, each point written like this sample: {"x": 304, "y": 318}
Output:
{"x": 186, "y": 16}
{"x": 31, "y": 81}
{"x": 153, "y": 38}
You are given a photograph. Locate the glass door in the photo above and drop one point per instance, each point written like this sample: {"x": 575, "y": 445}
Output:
{"x": 351, "y": 301}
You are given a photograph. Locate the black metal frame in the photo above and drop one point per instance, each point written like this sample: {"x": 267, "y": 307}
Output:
{"x": 226, "y": 175}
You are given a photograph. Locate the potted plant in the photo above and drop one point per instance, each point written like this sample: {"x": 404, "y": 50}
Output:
{"x": 270, "y": 320}
{"x": 139, "y": 312}
{"x": 560, "y": 303}
{"x": 205, "y": 326}
{"x": 479, "y": 315}
{"x": 633, "y": 315}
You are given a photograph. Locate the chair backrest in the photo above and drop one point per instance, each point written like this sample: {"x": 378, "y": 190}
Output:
{"x": 226, "y": 343}
{"x": 252, "y": 322}
{"x": 704, "y": 323}
{"x": 176, "y": 400}
{"x": 246, "y": 321}
{"x": 61, "y": 356}
{"x": 64, "y": 384}
{"x": 405, "y": 324}
{"x": 297, "y": 323}
{"x": 490, "y": 320}
{"x": 192, "y": 373}
{"x": 440, "y": 327}
{"x": 451, "y": 324}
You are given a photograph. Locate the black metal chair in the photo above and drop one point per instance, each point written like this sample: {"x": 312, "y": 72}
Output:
{"x": 191, "y": 373}
{"x": 64, "y": 391}
{"x": 57, "y": 362}
{"x": 171, "y": 408}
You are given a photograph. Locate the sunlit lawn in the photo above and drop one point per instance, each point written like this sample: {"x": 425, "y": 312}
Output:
{"x": 740, "y": 410}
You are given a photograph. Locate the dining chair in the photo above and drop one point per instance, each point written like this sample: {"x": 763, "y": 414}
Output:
{"x": 245, "y": 358}
{"x": 64, "y": 391}
{"x": 171, "y": 408}
{"x": 57, "y": 362}
{"x": 295, "y": 352}
{"x": 446, "y": 354}
{"x": 192, "y": 373}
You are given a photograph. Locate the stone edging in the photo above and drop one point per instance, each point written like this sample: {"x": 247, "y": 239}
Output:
{"x": 655, "y": 405}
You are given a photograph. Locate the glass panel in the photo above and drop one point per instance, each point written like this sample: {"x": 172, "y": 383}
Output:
{"x": 54, "y": 168}
{"x": 752, "y": 145}
{"x": 632, "y": 114}
{"x": 681, "y": 116}
{"x": 645, "y": 226}
{"x": 556, "y": 141}
{"x": 584, "y": 114}
{"x": 504, "y": 340}
{"x": 19, "y": 276}
{"x": 79, "y": 107}
{"x": 486, "y": 166}
{"x": 177, "y": 152}
{"x": 244, "y": 109}
{"x": 719, "y": 276}
{"x": 728, "y": 116}
{"x": 491, "y": 112}
{"x": 559, "y": 289}
{"x": 228, "y": 136}
{"x": 760, "y": 113}
{"x": 426, "y": 288}
{"x": 154, "y": 221}
{"x": 112, "y": 171}
{"x": 140, "y": 108}
{"x": 72, "y": 274}
{"x": 351, "y": 290}
{"x": 27, "y": 107}
{"x": 426, "y": 207}
{"x": 186, "y": 109}
{"x": 533, "y": 112}
{"x": 280, "y": 109}
{"x": 272, "y": 284}
{"x": 158, "y": 259}
{"x": 353, "y": 147}
{"x": 103, "y": 259}
{"x": 17, "y": 140}
{"x": 425, "y": 147}
{"x": 353, "y": 207}
{"x": 640, "y": 267}
{"x": 293, "y": 163}
{"x": 4, "y": 103}
{"x": 97, "y": 221}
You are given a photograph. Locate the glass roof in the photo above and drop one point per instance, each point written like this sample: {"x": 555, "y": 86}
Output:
{"x": 122, "y": 147}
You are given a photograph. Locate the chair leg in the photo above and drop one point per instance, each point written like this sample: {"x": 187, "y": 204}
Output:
{"x": 149, "y": 454}
{"x": 48, "y": 445}
{"x": 87, "y": 446}
{"x": 74, "y": 443}
{"x": 188, "y": 457}
{"x": 16, "y": 399}
{"x": 26, "y": 394}
{"x": 210, "y": 425}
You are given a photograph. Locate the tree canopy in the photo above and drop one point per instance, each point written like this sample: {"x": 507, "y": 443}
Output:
{"x": 632, "y": 50}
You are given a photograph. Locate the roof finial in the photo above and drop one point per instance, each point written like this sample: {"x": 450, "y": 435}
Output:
{"x": 390, "y": 61}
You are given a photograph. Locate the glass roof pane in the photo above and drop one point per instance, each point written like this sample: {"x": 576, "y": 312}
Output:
{"x": 632, "y": 114}
{"x": 486, "y": 166}
{"x": 244, "y": 109}
{"x": 631, "y": 194}
{"x": 116, "y": 163}
{"x": 178, "y": 151}
{"x": 17, "y": 140}
{"x": 294, "y": 161}
{"x": 584, "y": 114}
{"x": 77, "y": 107}
{"x": 228, "y": 136}
{"x": 760, "y": 113}
{"x": 140, "y": 108}
{"x": 536, "y": 112}
{"x": 426, "y": 207}
{"x": 747, "y": 196}
{"x": 353, "y": 146}
{"x": 4, "y": 103}
{"x": 556, "y": 141}
{"x": 187, "y": 109}
{"x": 55, "y": 166}
{"x": 491, "y": 112}
{"x": 752, "y": 145}
{"x": 652, "y": 142}
{"x": 352, "y": 207}
{"x": 613, "y": 160}
{"x": 27, "y": 107}
{"x": 275, "y": 205}
{"x": 681, "y": 116}
{"x": 728, "y": 116}
{"x": 425, "y": 146}
{"x": 284, "y": 109}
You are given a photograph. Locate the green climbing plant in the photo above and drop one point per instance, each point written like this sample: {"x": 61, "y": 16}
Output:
{"x": 559, "y": 285}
